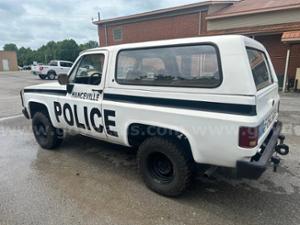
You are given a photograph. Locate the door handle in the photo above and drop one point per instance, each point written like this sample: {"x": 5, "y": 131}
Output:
{"x": 99, "y": 91}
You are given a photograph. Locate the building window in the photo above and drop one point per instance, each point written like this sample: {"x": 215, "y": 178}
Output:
{"x": 118, "y": 34}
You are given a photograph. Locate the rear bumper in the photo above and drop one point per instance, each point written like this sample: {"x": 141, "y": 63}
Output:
{"x": 253, "y": 169}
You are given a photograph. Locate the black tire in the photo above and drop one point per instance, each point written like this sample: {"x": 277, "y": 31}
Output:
{"x": 43, "y": 77}
{"x": 165, "y": 166}
{"x": 47, "y": 136}
{"x": 51, "y": 75}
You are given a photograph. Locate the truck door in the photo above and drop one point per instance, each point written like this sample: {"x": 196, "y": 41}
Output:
{"x": 81, "y": 109}
{"x": 65, "y": 67}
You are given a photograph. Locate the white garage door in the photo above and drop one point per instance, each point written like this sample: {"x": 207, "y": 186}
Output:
{"x": 5, "y": 65}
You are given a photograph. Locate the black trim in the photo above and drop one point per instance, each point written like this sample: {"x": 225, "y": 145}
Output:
{"x": 238, "y": 109}
{"x": 168, "y": 46}
{"x": 46, "y": 91}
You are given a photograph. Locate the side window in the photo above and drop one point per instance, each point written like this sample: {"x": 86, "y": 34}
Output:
{"x": 89, "y": 70}
{"x": 53, "y": 63}
{"x": 179, "y": 66}
{"x": 65, "y": 64}
{"x": 260, "y": 68}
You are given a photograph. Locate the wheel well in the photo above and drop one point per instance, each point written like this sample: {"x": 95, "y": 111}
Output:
{"x": 137, "y": 133}
{"x": 35, "y": 107}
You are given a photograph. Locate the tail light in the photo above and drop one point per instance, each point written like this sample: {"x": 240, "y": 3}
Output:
{"x": 248, "y": 137}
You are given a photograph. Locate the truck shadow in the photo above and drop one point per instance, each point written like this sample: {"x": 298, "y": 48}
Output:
{"x": 235, "y": 201}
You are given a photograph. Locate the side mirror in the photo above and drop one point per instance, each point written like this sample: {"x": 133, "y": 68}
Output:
{"x": 63, "y": 79}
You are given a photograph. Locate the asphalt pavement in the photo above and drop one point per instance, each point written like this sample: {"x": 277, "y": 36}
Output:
{"x": 87, "y": 181}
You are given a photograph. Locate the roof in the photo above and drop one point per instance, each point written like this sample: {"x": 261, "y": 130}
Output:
{"x": 204, "y": 39}
{"x": 164, "y": 11}
{"x": 291, "y": 36}
{"x": 246, "y": 7}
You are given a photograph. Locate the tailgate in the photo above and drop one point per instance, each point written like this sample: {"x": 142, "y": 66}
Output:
{"x": 267, "y": 108}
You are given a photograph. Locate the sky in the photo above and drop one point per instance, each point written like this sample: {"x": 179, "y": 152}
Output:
{"x": 32, "y": 23}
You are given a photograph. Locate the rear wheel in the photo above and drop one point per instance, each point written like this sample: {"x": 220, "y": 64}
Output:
{"x": 47, "y": 136}
{"x": 165, "y": 166}
{"x": 51, "y": 75}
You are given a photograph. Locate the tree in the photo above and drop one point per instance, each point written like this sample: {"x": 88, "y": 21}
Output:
{"x": 10, "y": 47}
{"x": 88, "y": 45}
{"x": 67, "y": 50}
{"x": 25, "y": 56}
{"x": 64, "y": 50}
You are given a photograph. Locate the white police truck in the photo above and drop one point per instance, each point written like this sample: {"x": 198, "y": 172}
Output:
{"x": 199, "y": 101}
{"x": 52, "y": 70}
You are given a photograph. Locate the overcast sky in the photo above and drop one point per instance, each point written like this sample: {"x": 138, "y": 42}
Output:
{"x": 31, "y": 23}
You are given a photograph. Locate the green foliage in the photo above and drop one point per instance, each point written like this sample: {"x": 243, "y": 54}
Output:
{"x": 10, "y": 47}
{"x": 62, "y": 50}
{"x": 88, "y": 45}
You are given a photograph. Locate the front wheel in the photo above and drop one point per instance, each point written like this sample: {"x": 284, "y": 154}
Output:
{"x": 43, "y": 77}
{"x": 47, "y": 136}
{"x": 165, "y": 166}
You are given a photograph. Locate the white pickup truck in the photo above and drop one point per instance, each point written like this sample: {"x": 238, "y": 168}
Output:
{"x": 52, "y": 70}
{"x": 186, "y": 102}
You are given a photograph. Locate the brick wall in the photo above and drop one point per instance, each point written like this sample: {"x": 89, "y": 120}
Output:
{"x": 12, "y": 60}
{"x": 194, "y": 25}
{"x": 165, "y": 28}
{"x": 278, "y": 51}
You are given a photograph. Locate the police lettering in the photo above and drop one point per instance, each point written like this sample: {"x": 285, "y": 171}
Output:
{"x": 86, "y": 96}
{"x": 70, "y": 116}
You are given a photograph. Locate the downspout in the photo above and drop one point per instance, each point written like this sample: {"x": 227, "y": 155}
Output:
{"x": 106, "y": 36}
{"x": 286, "y": 68}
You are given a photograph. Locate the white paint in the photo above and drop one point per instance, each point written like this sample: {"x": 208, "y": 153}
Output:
{"x": 213, "y": 136}
{"x": 286, "y": 69}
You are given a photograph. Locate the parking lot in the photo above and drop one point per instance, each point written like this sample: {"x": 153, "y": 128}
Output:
{"x": 92, "y": 182}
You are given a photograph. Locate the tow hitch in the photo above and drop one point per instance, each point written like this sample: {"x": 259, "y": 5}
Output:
{"x": 272, "y": 148}
{"x": 280, "y": 149}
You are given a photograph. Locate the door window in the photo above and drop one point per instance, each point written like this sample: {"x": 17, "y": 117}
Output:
{"x": 65, "y": 64}
{"x": 89, "y": 70}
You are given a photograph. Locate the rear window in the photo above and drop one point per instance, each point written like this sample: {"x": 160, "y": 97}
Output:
{"x": 260, "y": 68}
{"x": 52, "y": 63}
{"x": 178, "y": 66}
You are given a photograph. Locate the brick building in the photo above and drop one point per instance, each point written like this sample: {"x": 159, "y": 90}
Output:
{"x": 268, "y": 21}
{"x": 8, "y": 61}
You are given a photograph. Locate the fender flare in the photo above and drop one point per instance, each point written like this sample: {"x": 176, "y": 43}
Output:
{"x": 163, "y": 126}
